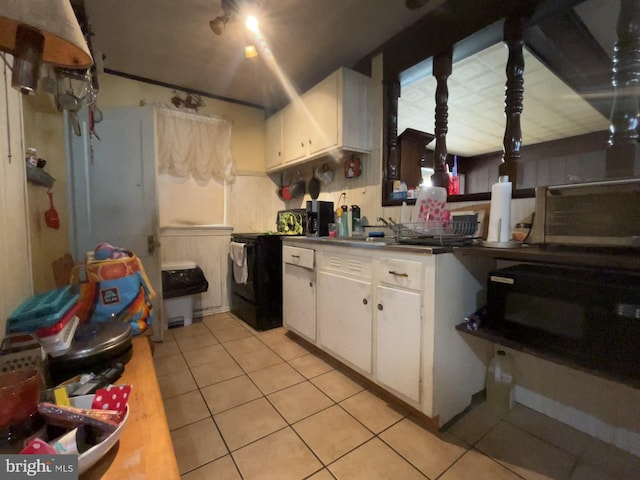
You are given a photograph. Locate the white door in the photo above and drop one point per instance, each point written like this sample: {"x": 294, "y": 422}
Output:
{"x": 113, "y": 191}
{"x": 399, "y": 336}
{"x": 299, "y": 300}
{"x": 344, "y": 318}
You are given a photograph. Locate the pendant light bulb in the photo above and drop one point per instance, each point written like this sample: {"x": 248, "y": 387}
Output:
{"x": 252, "y": 23}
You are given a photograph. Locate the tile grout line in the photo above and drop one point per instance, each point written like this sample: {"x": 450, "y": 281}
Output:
{"x": 288, "y": 424}
{"x": 291, "y": 425}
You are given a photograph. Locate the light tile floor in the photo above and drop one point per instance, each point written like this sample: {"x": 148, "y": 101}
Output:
{"x": 243, "y": 404}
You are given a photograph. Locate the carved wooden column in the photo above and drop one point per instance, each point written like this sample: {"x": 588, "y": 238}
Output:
{"x": 514, "y": 96}
{"x": 442, "y": 64}
{"x": 623, "y": 156}
{"x": 393, "y": 92}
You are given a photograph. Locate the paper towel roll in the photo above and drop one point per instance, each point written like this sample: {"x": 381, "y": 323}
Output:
{"x": 500, "y": 213}
{"x": 405, "y": 215}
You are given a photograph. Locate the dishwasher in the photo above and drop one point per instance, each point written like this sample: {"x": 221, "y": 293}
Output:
{"x": 299, "y": 291}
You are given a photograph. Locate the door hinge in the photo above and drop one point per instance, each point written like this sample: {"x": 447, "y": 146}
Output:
{"x": 151, "y": 244}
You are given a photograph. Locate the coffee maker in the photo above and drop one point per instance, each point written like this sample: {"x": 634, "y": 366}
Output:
{"x": 319, "y": 216}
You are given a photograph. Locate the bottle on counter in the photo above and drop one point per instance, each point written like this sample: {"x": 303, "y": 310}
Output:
{"x": 356, "y": 221}
{"x": 500, "y": 383}
{"x": 355, "y": 214}
{"x": 455, "y": 180}
{"x": 343, "y": 221}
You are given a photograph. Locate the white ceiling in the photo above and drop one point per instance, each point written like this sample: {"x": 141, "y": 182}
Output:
{"x": 170, "y": 41}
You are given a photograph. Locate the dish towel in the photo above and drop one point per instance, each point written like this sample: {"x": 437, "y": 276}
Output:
{"x": 238, "y": 255}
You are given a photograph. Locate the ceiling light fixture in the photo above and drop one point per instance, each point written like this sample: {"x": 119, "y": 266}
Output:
{"x": 34, "y": 32}
{"x": 250, "y": 50}
{"x": 218, "y": 24}
{"x": 234, "y": 8}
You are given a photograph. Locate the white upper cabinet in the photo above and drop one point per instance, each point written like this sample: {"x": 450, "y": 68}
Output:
{"x": 334, "y": 115}
{"x": 273, "y": 141}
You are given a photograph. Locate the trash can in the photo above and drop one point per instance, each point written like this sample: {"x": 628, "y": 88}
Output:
{"x": 181, "y": 280}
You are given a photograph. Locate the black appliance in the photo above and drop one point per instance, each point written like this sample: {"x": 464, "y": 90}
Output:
{"x": 590, "y": 316}
{"x": 95, "y": 347}
{"x": 258, "y": 302}
{"x": 319, "y": 216}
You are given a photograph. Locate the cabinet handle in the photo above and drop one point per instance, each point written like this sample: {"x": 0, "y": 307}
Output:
{"x": 365, "y": 301}
{"x": 398, "y": 274}
{"x": 310, "y": 142}
{"x": 380, "y": 307}
{"x": 279, "y": 154}
{"x": 295, "y": 256}
{"x": 311, "y": 284}
{"x": 302, "y": 144}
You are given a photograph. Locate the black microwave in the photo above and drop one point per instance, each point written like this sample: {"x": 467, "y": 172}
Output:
{"x": 589, "y": 316}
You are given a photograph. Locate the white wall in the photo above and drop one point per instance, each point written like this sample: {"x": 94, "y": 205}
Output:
{"x": 15, "y": 274}
{"x": 44, "y": 130}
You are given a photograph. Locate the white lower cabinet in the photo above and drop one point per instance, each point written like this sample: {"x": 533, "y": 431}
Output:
{"x": 391, "y": 316}
{"x": 299, "y": 292}
{"x": 344, "y": 318}
{"x": 398, "y": 325}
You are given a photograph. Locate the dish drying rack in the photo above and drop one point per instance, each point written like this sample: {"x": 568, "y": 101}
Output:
{"x": 436, "y": 233}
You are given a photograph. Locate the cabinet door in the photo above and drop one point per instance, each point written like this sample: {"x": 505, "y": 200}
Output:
{"x": 344, "y": 318}
{"x": 398, "y": 347}
{"x": 273, "y": 141}
{"x": 299, "y": 300}
{"x": 294, "y": 128}
{"x": 322, "y": 106}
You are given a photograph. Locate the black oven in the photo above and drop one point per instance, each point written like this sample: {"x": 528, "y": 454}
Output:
{"x": 591, "y": 316}
{"x": 258, "y": 301}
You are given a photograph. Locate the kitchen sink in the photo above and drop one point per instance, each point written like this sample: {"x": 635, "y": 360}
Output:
{"x": 361, "y": 241}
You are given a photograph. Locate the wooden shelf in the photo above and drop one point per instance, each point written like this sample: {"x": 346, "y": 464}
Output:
{"x": 626, "y": 259}
{"x": 39, "y": 177}
{"x": 543, "y": 351}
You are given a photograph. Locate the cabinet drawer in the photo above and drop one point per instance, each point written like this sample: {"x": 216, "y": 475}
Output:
{"x": 303, "y": 257}
{"x": 400, "y": 273}
{"x": 345, "y": 263}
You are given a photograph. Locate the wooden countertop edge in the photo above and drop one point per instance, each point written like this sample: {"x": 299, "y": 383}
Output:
{"x": 145, "y": 449}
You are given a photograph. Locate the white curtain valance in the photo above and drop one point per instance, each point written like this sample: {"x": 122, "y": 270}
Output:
{"x": 191, "y": 144}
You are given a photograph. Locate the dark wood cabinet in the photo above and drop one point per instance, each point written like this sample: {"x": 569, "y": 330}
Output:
{"x": 412, "y": 146}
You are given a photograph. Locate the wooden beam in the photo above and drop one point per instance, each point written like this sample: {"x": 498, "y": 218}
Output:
{"x": 514, "y": 97}
{"x": 442, "y": 65}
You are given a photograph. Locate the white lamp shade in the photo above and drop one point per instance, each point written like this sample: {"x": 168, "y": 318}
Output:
{"x": 64, "y": 44}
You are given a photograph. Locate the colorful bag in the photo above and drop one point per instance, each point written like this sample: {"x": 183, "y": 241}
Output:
{"x": 117, "y": 287}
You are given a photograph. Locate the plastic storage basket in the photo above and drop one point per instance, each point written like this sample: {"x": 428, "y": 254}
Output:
{"x": 42, "y": 310}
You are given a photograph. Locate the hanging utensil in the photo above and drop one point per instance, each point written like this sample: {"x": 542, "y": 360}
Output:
{"x": 92, "y": 122}
{"x": 97, "y": 114}
{"x": 298, "y": 188}
{"x": 51, "y": 217}
{"x": 314, "y": 187}
{"x": 281, "y": 186}
{"x": 324, "y": 174}
{"x": 72, "y": 104}
{"x": 94, "y": 114}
